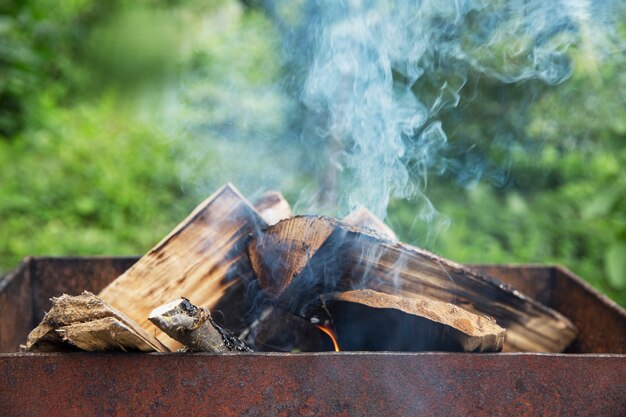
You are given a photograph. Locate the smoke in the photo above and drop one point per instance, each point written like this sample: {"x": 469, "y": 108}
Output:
{"x": 351, "y": 110}
{"x": 358, "y": 68}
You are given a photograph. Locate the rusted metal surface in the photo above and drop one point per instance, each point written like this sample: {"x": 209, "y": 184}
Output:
{"x": 25, "y": 294}
{"x": 601, "y": 322}
{"x": 16, "y": 312}
{"x": 344, "y": 384}
{"x": 72, "y": 275}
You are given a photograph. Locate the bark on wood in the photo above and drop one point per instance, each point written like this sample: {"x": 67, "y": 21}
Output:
{"x": 277, "y": 330}
{"x": 81, "y": 319}
{"x": 195, "y": 328}
{"x": 371, "y": 320}
{"x": 362, "y": 217}
{"x": 302, "y": 257}
{"x": 204, "y": 257}
{"x": 273, "y": 207}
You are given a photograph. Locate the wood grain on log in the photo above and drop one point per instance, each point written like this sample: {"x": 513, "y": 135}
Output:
{"x": 87, "y": 322}
{"x": 302, "y": 257}
{"x": 204, "y": 258}
{"x": 273, "y": 207}
{"x": 362, "y": 217}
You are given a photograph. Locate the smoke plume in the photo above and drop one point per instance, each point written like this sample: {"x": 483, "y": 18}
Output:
{"x": 357, "y": 64}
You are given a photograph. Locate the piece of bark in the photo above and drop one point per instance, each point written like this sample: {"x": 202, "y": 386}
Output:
{"x": 203, "y": 258}
{"x": 277, "y": 330}
{"x": 273, "y": 207}
{"x": 362, "y": 217}
{"x": 66, "y": 311}
{"x": 195, "y": 328}
{"x": 367, "y": 320}
{"x": 302, "y": 257}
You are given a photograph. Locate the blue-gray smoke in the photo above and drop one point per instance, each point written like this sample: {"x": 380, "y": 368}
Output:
{"x": 354, "y": 65}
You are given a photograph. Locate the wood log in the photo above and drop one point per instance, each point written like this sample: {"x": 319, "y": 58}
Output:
{"x": 108, "y": 333}
{"x": 273, "y": 207}
{"x": 195, "y": 328}
{"x": 364, "y": 218}
{"x": 367, "y": 320}
{"x": 204, "y": 258}
{"x": 302, "y": 257}
{"x": 80, "y": 320}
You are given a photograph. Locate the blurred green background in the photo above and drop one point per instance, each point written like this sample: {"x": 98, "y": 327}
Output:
{"x": 117, "y": 118}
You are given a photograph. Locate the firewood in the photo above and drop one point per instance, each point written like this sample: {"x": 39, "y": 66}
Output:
{"x": 302, "y": 257}
{"x": 277, "y": 330}
{"x": 371, "y": 320}
{"x": 195, "y": 328}
{"x": 273, "y": 207}
{"x": 362, "y": 217}
{"x": 204, "y": 257}
{"x": 108, "y": 333}
{"x": 87, "y": 322}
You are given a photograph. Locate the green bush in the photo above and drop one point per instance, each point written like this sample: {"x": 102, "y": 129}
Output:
{"x": 87, "y": 166}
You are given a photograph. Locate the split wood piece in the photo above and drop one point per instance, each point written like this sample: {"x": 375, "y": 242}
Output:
{"x": 362, "y": 217}
{"x": 90, "y": 312}
{"x": 367, "y": 320}
{"x": 108, "y": 333}
{"x": 277, "y": 330}
{"x": 273, "y": 207}
{"x": 195, "y": 328}
{"x": 204, "y": 257}
{"x": 302, "y": 257}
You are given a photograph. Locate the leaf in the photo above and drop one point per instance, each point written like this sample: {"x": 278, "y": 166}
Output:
{"x": 601, "y": 204}
{"x": 615, "y": 265}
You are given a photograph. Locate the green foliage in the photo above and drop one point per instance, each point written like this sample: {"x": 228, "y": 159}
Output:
{"x": 84, "y": 171}
{"x": 563, "y": 197}
{"x": 89, "y": 181}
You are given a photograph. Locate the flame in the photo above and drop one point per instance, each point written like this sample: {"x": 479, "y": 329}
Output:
{"x": 330, "y": 334}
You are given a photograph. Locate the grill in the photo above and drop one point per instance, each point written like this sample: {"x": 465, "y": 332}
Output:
{"x": 586, "y": 380}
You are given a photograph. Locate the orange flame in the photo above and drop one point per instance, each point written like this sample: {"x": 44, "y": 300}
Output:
{"x": 330, "y": 334}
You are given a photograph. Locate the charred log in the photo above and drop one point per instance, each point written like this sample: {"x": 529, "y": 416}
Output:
{"x": 195, "y": 328}
{"x": 305, "y": 256}
{"x": 367, "y": 320}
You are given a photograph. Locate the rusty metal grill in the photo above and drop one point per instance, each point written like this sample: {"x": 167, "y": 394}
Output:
{"x": 588, "y": 380}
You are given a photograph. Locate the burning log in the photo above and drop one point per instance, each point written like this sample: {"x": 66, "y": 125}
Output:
{"x": 204, "y": 257}
{"x": 195, "y": 328}
{"x": 277, "y": 330}
{"x": 302, "y": 257}
{"x": 273, "y": 207}
{"x": 371, "y": 320}
{"x": 362, "y": 217}
{"x": 87, "y": 322}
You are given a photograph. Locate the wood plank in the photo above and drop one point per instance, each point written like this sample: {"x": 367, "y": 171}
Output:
{"x": 68, "y": 310}
{"x": 344, "y": 257}
{"x": 105, "y": 334}
{"x": 367, "y": 320}
{"x": 362, "y": 217}
{"x": 273, "y": 207}
{"x": 203, "y": 258}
